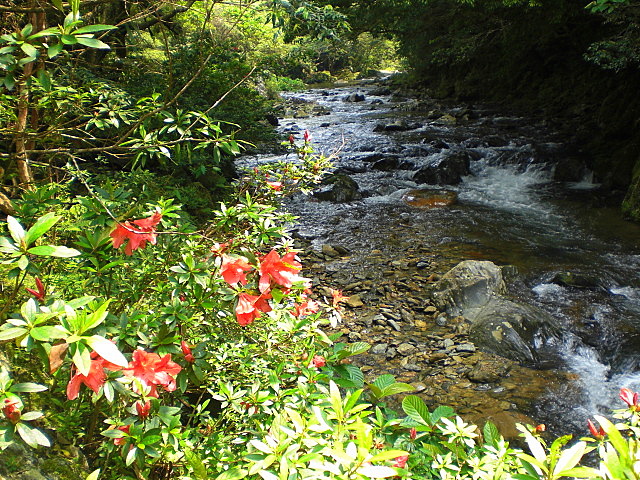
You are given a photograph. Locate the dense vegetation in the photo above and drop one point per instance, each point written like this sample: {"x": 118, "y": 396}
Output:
{"x": 155, "y": 318}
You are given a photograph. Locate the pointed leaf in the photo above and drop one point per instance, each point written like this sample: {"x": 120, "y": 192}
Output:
{"x": 416, "y": 409}
{"x": 42, "y": 226}
{"x": 32, "y": 436}
{"x": 16, "y": 230}
{"x": 13, "y": 332}
{"x": 372, "y": 471}
{"x": 46, "y": 334}
{"x": 29, "y": 50}
{"x": 57, "y": 356}
{"x": 388, "y": 455}
{"x": 96, "y": 473}
{"x": 97, "y": 317}
{"x": 54, "y": 50}
{"x": 93, "y": 43}
{"x": 82, "y": 359}
{"x": 396, "y": 388}
{"x": 235, "y": 473}
{"x": 107, "y": 350}
{"x": 570, "y": 458}
{"x": 93, "y": 28}
{"x": 383, "y": 381}
{"x": 27, "y": 387}
{"x": 30, "y": 416}
{"x": 54, "y": 251}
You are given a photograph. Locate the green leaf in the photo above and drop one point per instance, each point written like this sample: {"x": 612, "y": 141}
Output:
{"x": 23, "y": 262}
{"x": 93, "y": 43}
{"x": 42, "y": 225}
{"x": 570, "y": 458}
{"x": 388, "y": 455}
{"x": 69, "y": 39}
{"x": 26, "y": 31}
{"x": 16, "y": 231}
{"x": 27, "y": 387}
{"x": 82, "y": 359}
{"x": 30, "y": 416}
{"x": 32, "y": 436}
{"x": 416, "y": 409}
{"x": 235, "y": 473}
{"x": 58, "y": 5}
{"x": 107, "y": 350}
{"x": 490, "y": 433}
{"x": 197, "y": 465}
{"x": 45, "y": 82}
{"x": 440, "y": 412}
{"x": 48, "y": 333}
{"x": 96, "y": 318}
{"x": 131, "y": 456}
{"x": 358, "y": 348}
{"x": 581, "y": 472}
{"x": 93, "y": 28}
{"x": 13, "y": 332}
{"x": 383, "y": 381}
{"x": 29, "y": 50}
{"x": 396, "y": 388}
{"x": 54, "y": 50}
{"x": 96, "y": 473}
{"x": 615, "y": 438}
{"x": 54, "y": 251}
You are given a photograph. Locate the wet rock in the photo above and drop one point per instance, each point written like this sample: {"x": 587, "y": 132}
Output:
{"x": 406, "y": 349}
{"x": 490, "y": 369}
{"x": 577, "y": 280}
{"x": 355, "y": 301}
{"x": 395, "y": 325}
{"x": 396, "y": 126}
{"x": 329, "y": 251}
{"x": 430, "y": 198}
{"x": 338, "y": 188}
{"x": 466, "y": 348}
{"x": 448, "y": 169}
{"x": 446, "y": 119}
{"x": 380, "y": 349}
{"x": 272, "y": 119}
{"x": 387, "y": 164}
{"x": 354, "y": 98}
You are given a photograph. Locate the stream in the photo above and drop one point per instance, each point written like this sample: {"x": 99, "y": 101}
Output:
{"x": 510, "y": 210}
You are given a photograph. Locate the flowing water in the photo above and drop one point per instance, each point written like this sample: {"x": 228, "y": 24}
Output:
{"x": 509, "y": 210}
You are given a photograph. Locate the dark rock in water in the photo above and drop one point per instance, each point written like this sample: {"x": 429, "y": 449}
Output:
{"x": 377, "y": 101}
{"x": 570, "y": 169}
{"x": 397, "y": 126}
{"x": 354, "y": 98}
{"x": 371, "y": 157}
{"x": 439, "y": 144}
{"x": 386, "y": 164}
{"x": 430, "y": 198}
{"x": 577, "y": 280}
{"x": 495, "y": 141}
{"x": 446, "y": 170}
{"x": 502, "y": 326}
{"x": 381, "y": 91}
{"x": 338, "y": 188}
{"x": 272, "y": 119}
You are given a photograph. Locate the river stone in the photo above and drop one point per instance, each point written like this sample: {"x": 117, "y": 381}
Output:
{"x": 355, "y": 301}
{"x": 386, "y": 164}
{"x": 338, "y": 188}
{"x": 490, "y": 369}
{"x": 354, "y": 98}
{"x": 380, "y": 348}
{"x": 516, "y": 331}
{"x": 447, "y": 169}
{"x": 406, "y": 349}
{"x": 468, "y": 287}
{"x": 429, "y": 198}
{"x": 577, "y": 280}
{"x": 329, "y": 251}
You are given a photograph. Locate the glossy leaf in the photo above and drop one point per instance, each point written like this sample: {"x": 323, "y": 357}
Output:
{"x": 42, "y": 226}
{"x": 54, "y": 251}
{"x": 107, "y": 350}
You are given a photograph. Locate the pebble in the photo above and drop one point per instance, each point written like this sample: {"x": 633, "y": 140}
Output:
{"x": 406, "y": 349}
{"x": 466, "y": 348}
{"x": 448, "y": 343}
{"x": 380, "y": 348}
{"x": 441, "y": 321}
{"x": 394, "y": 324}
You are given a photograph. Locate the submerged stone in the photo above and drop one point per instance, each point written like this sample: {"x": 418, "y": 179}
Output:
{"x": 430, "y": 198}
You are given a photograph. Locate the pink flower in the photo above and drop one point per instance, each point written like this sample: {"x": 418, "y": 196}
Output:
{"x": 401, "y": 462}
{"x": 598, "y": 433}
{"x": 277, "y": 186}
{"x": 305, "y": 308}
{"x": 281, "y": 271}
{"x": 152, "y": 370}
{"x": 186, "y": 351}
{"x": 138, "y": 233}
{"x": 41, "y": 291}
{"x": 122, "y": 440}
{"x": 307, "y": 136}
{"x": 143, "y": 409}
{"x": 318, "y": 361}
{"x": 94, "y": 380}
{"x": 233, "y": 269}
{"x": 250, "y": 307}
{"x": 630, "y": 398}
{"x": 337, "y": 298}
{"x": 11, "y": 410}
{"x": 291, "y": 139}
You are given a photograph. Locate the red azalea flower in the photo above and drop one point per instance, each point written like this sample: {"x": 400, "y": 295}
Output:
{"x": 94, "y": 380}
{"x": 41, "y": 291}
{"x": 337, "y": 298}
{"x": 138, "y": 233}
{"x": 540, "y": 428}
{"x": 305, "y": 308}
{"x": 250, "y": 307}
{"x": 233, "y": 270}
{"x": 401, "y": 462}
{"x": 291, "y": 139}
{"x": 11, "y": 410}
{"x": 318, "y": 361}
{"x": 143, "y": 409}
{"x": 153, "y": 370}
{"x": 307, "y": 136}
{"x": 186, "y": 351}
{"x": 122, "y": 440}
{"x": 598, "y": 433}
{"x": 282, "y": 271}
{"x": 629, "y": 397}
{"x": 220, "y": 248}
{"x": 277, "y": 186}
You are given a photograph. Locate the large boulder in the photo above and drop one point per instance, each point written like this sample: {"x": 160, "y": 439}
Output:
{"x": 447, "y": 169}
{"x": 500, "y": 325}
{"x": 339, "y": 188}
